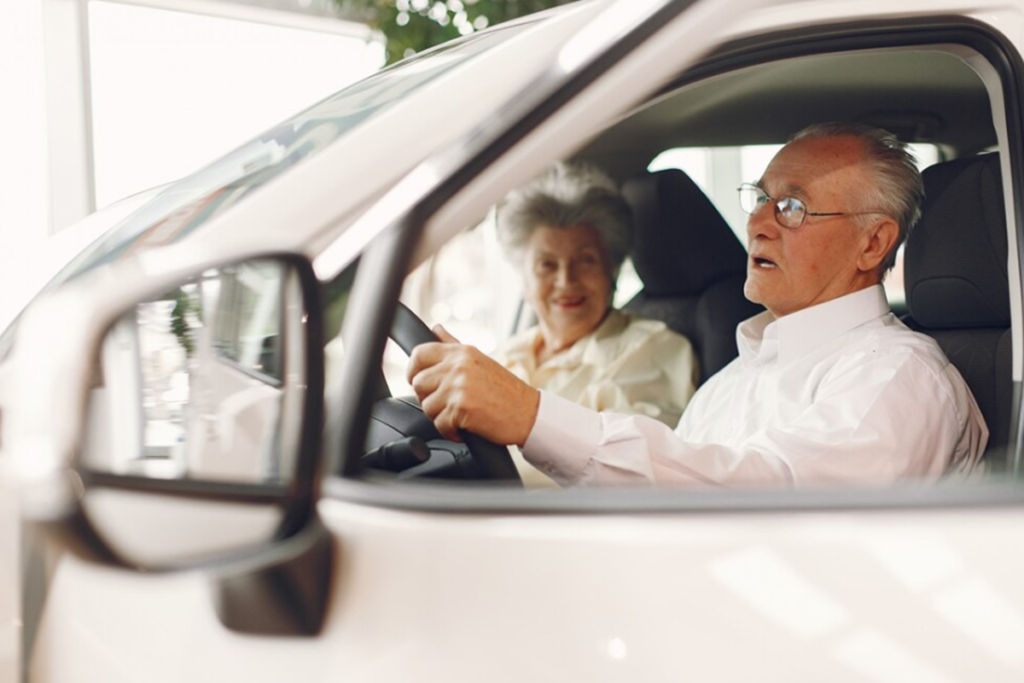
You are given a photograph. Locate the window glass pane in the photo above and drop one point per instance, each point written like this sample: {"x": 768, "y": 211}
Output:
{"x": 691, "y": 160}
{"x": 173, "y": 90}
{"x": 755, "y": 159}
{"x": 895, "y": 291}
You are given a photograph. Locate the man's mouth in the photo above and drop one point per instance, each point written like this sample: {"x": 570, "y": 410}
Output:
{"x": 762, "y": 262}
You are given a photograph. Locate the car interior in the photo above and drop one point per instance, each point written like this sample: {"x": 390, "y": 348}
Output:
{"x": 958, "y": 288}
{"x": 691, "y": 262}
{"x": 956, "y": 283}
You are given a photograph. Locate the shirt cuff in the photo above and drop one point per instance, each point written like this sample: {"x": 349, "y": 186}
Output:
{"x": 563, "y": 439}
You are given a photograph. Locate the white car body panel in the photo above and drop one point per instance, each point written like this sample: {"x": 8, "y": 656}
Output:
{"x": 509, "y": 597}
{"x": 596, "y": 598}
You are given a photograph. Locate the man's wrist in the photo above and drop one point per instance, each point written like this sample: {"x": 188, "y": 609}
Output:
{"x": 529, "y": 416}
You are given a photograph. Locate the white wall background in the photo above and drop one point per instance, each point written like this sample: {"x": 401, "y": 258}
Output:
{"x": 172, "y": 91}
{"x": 102, "y": 99}
{"x": 163, "y": 93}
{"x": 23, "y": 170}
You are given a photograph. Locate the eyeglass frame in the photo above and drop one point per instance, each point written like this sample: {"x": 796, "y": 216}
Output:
{"x": 806, "y": 213}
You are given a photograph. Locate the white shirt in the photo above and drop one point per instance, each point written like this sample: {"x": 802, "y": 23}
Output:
{"x": 839, "y": 392}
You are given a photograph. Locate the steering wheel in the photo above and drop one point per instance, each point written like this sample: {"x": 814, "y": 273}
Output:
{"x": 492, "y": 460}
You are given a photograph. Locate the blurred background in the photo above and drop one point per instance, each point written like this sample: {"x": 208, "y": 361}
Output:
{"x": 106, "y": 98}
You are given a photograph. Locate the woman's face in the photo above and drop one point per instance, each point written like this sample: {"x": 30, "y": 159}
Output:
{"x": 567, "y": 280}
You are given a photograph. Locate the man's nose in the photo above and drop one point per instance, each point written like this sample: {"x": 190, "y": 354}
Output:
{"x": 762, "y": 223}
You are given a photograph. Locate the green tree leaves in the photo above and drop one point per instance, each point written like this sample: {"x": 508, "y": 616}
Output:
{"x": 411, "y": 26}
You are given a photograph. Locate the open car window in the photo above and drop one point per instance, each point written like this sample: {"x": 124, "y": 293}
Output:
{"x": 472, "y": 288}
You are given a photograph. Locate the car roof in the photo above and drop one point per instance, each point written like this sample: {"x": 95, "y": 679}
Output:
{"x": 922, "y": 95}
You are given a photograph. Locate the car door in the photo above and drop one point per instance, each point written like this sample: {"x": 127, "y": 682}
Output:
{"x": 824, "y": 585}
{"x": 463, "y": 584}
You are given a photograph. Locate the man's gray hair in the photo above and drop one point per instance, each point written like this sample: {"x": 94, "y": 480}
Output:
{"x": 566, "y": 195}
{"x": 897, "y": 189}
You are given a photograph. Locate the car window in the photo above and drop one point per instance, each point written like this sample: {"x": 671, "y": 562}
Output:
{"x": 469, "y": 286}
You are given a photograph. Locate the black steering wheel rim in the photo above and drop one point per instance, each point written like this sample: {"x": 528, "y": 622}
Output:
{"x": 493, "y": 460}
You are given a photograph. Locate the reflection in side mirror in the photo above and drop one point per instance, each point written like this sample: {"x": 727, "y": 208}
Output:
{"x": 192, "y": 383}
{"x": 199, "y": 392}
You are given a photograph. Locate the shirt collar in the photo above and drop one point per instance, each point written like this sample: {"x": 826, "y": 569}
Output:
{"x": 586, "y": 349}
{"x": 764, "y": 336}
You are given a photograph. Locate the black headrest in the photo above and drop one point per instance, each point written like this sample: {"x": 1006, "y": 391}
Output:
{"x": 681, "y": 244}
{"x": 955, "y": 268}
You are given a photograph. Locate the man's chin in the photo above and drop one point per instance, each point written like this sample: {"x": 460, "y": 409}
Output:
{"x": 752, "y": 292}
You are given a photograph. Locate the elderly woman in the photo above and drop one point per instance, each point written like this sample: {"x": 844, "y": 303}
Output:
{"x": 569, "y": 232}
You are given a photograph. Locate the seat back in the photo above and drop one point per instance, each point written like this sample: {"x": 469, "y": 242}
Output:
{"x": 691, "y": 263}
{"x": 957, "y": 284}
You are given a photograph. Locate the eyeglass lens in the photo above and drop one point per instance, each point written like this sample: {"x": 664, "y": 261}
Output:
{"x": 789, "y": 212}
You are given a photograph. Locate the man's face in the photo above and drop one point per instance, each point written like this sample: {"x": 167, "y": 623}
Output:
{"x": 791, "y": 269}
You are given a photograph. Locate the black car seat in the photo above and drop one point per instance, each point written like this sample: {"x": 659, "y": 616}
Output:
{"x": 957, "y": 285}
{"x": 691, "y": 264}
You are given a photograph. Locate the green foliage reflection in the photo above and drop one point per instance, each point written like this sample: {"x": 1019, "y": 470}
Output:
{"x": 411, "y": 26}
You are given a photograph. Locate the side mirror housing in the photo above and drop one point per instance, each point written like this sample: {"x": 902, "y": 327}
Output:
{"x": 189, "y": 429}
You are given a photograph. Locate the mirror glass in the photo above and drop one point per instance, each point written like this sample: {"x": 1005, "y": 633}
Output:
{"x": 195, "y": 416}
{"x": 199, "y": 382}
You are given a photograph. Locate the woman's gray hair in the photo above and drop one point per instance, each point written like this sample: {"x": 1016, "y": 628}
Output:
{"x": 897, "y": 189}
{"x": 565, "y": 195}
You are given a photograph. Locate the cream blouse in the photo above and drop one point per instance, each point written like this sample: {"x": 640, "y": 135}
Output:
{"x": 627, "y": 365}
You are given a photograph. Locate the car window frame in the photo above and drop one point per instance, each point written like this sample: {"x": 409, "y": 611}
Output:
{"x": 394, "y": 249}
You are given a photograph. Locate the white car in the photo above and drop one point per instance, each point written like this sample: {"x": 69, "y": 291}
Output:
{"x": 233, "y": 491}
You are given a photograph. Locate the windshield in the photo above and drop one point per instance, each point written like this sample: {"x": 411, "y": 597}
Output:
{"x": 193, "y": 201}
{"x": 190, "y": 203}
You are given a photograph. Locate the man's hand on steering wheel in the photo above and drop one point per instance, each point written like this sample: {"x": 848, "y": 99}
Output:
{"x": 460, "y": 388}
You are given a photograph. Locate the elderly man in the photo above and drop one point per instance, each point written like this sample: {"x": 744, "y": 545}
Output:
{"x": 828, "y": 387}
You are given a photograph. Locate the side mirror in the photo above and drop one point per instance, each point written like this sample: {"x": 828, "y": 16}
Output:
{"x": 201, "y": 428}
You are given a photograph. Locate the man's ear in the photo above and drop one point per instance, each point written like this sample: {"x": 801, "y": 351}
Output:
{"x": 881, "y": 239}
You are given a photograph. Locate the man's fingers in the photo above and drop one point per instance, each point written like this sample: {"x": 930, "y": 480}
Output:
{"x": 460, "y": 388}
{"x": 447, "y": 423}
{"x": 443, "y": 414}
{"x": 434, "y": 353}
{"x": 444, "y": 335}
{"x": 426, "y": 382}
{"x": 423, "y": 357}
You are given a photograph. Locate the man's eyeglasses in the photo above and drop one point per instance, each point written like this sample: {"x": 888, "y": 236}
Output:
{"x": 789, "y": 211}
